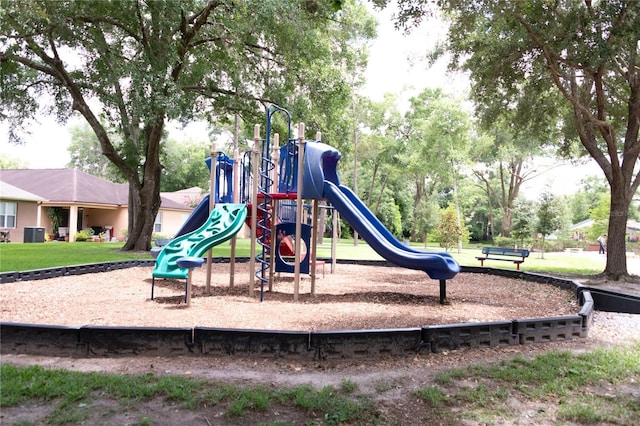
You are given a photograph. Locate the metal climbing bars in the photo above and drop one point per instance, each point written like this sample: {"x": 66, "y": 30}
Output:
{"x": 265, "y": 206}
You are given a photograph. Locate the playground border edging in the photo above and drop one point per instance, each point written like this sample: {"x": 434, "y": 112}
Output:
{"x": 99, "y": 341}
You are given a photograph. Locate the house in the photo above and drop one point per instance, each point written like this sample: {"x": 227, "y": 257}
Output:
{"x": 581, "y": 229}
{"x": 71, "y": 200}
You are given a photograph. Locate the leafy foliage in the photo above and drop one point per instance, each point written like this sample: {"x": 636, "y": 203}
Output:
{"x": 184, "y": 165}
{"x": 586, "y": 198}
{"x": 505, "y": 164}
{"x": 435, "y": 134}
{"x": 85, "y": 154}
{"x": 449, "y": 230}
{"x": 600, "y": 215}
{"x": 9, "y": 162}
{"x": 550, "y": 214}
{"x": 130, "y": 66}
{"x": 564, "y": 71}
{"x": 524, "y": 221}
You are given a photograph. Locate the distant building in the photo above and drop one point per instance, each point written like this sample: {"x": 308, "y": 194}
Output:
{"x": 581, "y": 229}
{"x": 36, "y": 198}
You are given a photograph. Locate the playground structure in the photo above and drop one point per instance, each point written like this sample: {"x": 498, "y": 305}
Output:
{"x": 212, "y": 224}
{"x": 276, "y": 190}
{"x": 222, "y": 214}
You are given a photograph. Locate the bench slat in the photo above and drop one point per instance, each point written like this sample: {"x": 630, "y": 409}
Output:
{"x": 508, "y": 255}
{"x": 497, "y": 258}
{"x": 505, "y": 251}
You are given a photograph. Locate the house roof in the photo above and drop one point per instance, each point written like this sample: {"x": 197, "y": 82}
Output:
{"x": 10, "y": 192}
{"x": 186, "y": 197}
{"x": 67, "y": 186}
{"x": 631, "y": 224}
{"x": 583, "y": 224}
{"x": 72, "y": 186}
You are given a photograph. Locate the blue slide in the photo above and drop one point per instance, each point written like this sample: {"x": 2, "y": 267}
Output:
{"x": 360, "y": 206}
{"x": 197, "y": 218}
{"x": 320, "y": 180}
{"x": 201, "y": 213}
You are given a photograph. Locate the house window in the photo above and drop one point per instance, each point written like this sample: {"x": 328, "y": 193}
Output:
{"x": 157, "y": 225}
{"x": 8, "y": 214}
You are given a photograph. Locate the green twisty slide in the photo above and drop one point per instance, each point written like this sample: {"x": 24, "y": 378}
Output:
{"x": 224, "y": 222}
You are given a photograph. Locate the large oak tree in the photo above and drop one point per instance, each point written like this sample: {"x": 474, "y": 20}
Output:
{"x": 563, "y": 64}
{"x": 129, "y": 66}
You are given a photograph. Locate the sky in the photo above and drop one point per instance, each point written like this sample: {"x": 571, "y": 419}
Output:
{"x": 394, "y": 67}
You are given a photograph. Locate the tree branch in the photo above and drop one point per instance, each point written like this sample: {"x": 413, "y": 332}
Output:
{"x": 555, "y": 74}
{"x": 206, "y": 91}
{"x": 110, "y": 21}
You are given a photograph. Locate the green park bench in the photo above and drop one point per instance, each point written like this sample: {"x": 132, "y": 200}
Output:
{"x": 505, "y": 254}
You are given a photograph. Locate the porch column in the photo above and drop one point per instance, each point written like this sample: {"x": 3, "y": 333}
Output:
{"x": 39, "y": 214}
{"x": 73, "y": 223}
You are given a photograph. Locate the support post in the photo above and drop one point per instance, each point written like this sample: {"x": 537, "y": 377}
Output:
{"x": 236, "y": 198}
{"x": 39, "y": 214}
{"x": 212, "y": 202}
{"x": 187, "y": 296}
{"x": 275, "y": 156}
{"x": 189, "y": 263}
{"x": 334, "y": 238}
{"x": 443, "y": 292}
{"x": 314, "y": 245}
{"x": 73, "y": 222}
{"x": 298, "y": 240}
{"x": 255, "y": 173}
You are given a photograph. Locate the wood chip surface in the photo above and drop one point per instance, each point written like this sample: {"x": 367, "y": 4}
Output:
{"x": 353, "y": 298}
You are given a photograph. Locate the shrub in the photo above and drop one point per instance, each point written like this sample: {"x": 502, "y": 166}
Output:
{"x": 499, "y": 241}
{"x": 448, "y": 231}
{"x": 84, "y": 234}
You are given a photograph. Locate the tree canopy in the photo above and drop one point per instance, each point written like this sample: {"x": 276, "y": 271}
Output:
{"x": 129, "y": 66}
{"x": 564, "y": 70}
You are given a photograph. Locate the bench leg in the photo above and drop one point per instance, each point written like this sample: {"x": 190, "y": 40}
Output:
{"x": 443, "y": 292}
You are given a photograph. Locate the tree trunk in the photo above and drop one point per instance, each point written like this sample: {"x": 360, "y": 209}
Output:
{"x": 505, "y": 223}
{"x": 416, "y": 204}
{"x": 355, "y": 175}
{"x": 143, "y": 208}
{"x": 384, "y": 185}
{"x": 373, "y": 182}
{"x": 487, "y": 190}
{"x": 621, "y": 181}
{"x": 321, "y": 223}
{"x": 144, "y": 198}
{"x": 509, "y": 195}
{"x": 490, "y": 231}
{"x": 457, "y": 203}
{"x": 616, "y": 266}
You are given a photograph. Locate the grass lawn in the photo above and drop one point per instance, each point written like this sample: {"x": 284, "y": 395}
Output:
{"x": 24, "y": 257}
{"x": 553, "y": 388}
{"x": 29, "y": 256}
